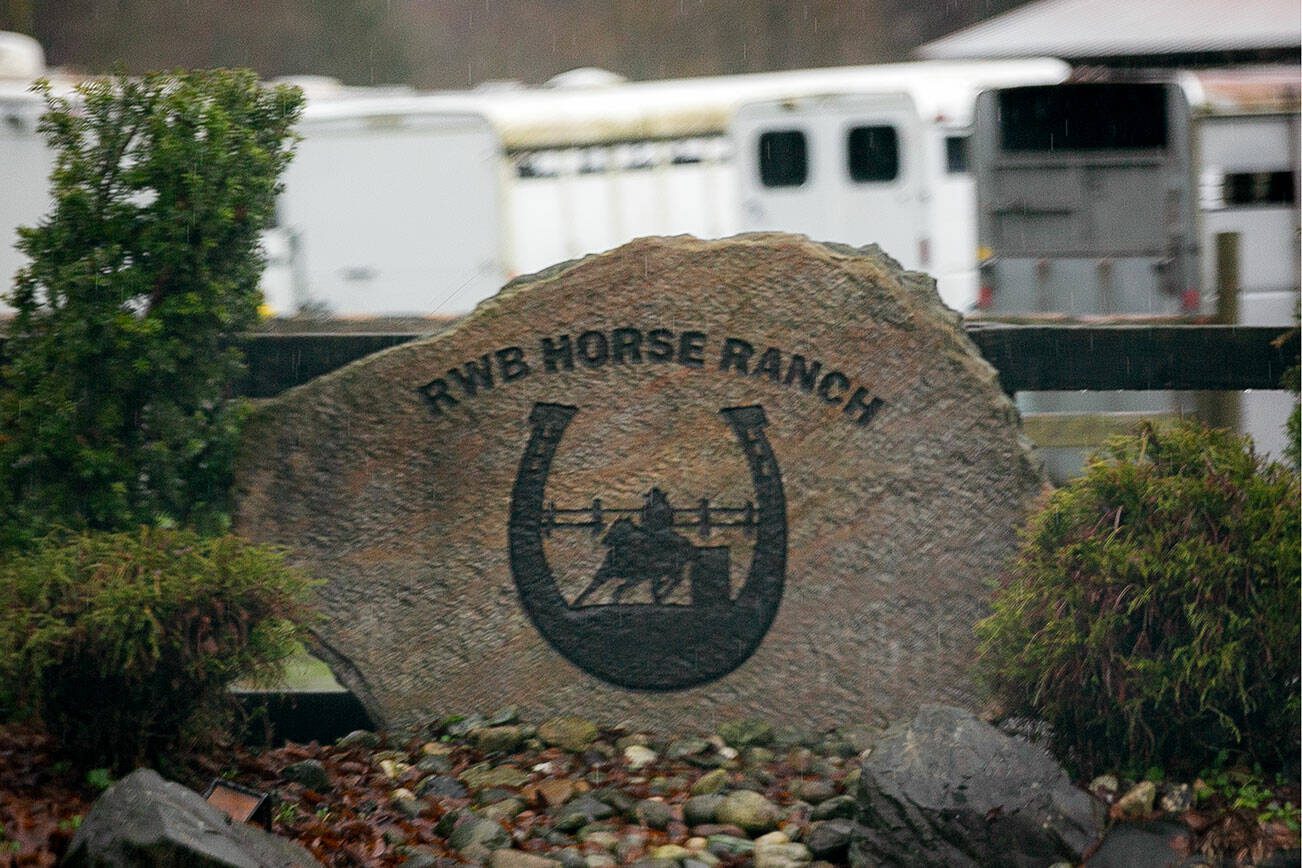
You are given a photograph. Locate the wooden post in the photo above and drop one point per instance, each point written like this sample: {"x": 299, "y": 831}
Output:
{"x": 1221, "y": 409}
{"x": 1227, "y": 278}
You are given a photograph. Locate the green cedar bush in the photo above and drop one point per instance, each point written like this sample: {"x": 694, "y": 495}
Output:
{"x": 1151, "y": 616}
{"x": 123, "y": 644}
{"x": 113, "y": 411}
{"x": 1293, "y": 427}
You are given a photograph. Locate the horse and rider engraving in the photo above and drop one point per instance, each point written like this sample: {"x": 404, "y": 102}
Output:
{"x": 649, "y": 552}
{"x": 675, "y": 620}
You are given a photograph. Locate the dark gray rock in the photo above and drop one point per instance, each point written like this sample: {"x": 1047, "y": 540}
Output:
{"x": 729, "y": 845}
{"x": 450, "y": 820}
{"x": 145, "y": 820}
{"x": 460, "y": 727}
{"x": 621, "y": 801}
{"x": 1153, "y": 845}
{"x": 580, "y": 812}
{"x": 441, "y": 786}
{"x": 359, "y": 738}
{"x": 310, "y": 773}
{"x": 946, "y": 789}
{"x": 570, "y": 858}
{"x": 408, "y": 807}
{"x": 425, "y": 857}
{"x": 489, "y": 795}
{"x": 438, "y": 764}
{"x": 833, "y": 808}
{"x": 829, "y": 839}
{"x": 653, "y": 814}
{"x": 477, "y": 836}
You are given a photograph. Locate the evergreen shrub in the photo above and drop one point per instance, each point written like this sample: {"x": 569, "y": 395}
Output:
{"x": 122, "y": 644}
{"x": 1151, "y": 616}
{"x": 114, "y": 399}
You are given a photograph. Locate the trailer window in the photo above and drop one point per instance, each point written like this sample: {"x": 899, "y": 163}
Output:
{"x": 1260, "y": 188}
{"x": 1083, "y": 117}
{"x": 594, "y": 161}
{"x": 783, "y": 159}
{"x": 873, "y": 153}
{"x": 536, "y": 164}
{"x": 956, "y": 155}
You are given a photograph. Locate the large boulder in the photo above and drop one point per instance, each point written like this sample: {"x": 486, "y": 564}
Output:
{"x": 145, "y": 820}
{"x": 706, "y": 480}
{"x": 946, "y": 789}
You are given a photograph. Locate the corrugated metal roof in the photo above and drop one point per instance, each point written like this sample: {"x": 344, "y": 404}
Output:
{"x": 1113, "y": 28}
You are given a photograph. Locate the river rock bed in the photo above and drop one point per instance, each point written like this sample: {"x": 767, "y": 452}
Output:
{"x": 495, "y": 790}
{"x": 568, "y": 792}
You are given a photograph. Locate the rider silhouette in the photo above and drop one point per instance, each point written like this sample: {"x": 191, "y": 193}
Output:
{"x": 657, "y": 515}
{"x": 647, "y": 552}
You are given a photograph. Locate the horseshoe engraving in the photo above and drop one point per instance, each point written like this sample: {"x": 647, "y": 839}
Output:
{"x": 659, "y": 645}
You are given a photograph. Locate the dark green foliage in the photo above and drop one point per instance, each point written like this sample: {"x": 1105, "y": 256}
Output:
{"x": 1293, "y": 427}
{"x": 1151, "y": 616}
{"x": 112, "y": 412}
{"x": 122, "y": 645}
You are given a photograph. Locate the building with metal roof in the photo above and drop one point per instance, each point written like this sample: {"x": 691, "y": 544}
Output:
{"x": 1166, "y": 33}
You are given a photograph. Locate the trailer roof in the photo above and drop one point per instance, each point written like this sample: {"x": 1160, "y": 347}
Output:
{"x": 1115, "y": 29}
{"x": 598, "y": 112}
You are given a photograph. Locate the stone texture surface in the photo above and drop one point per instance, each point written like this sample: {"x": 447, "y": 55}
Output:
{"x": 1160, "y": 844}
{"x": 946, "y": 789}
{"x": 146, "y": 820}
{"x": 402, "y": 501}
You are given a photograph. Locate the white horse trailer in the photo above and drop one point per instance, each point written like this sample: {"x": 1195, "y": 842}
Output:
{"x": 1106, "y": 197}
{"x": 425, "y": 203}
{"x": 25, "y": 165}
{"x": 390, "y": 206}
{"x": 1248, "y": 143}
{"x": 883, "y": 161}
{"x": 1248, "y": 146}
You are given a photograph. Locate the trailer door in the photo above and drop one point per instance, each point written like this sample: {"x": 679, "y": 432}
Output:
{"x": 835, "y": 168}
{"x": 395, "y": 212}
{"x": 1085, "y": 199}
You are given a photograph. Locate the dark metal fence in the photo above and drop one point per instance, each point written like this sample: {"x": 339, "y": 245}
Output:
{"x": 1028, "y": 357}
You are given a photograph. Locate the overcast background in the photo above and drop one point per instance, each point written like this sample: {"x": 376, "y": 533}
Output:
{"x": 460, "y": 43}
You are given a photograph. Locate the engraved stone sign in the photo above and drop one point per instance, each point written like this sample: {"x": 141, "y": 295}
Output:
{"x": 758, "y": 476}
